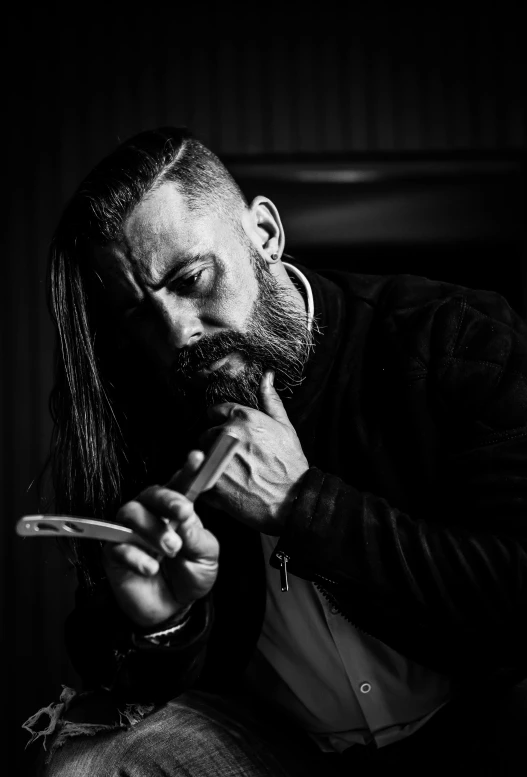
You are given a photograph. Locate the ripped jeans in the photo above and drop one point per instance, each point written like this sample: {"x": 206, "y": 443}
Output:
{"x": 201, "y": 734}
{"x": 196, "y": 734}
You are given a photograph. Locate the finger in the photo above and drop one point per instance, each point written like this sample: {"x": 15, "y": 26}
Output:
{"x": 195, "y": 540}
{"x": 143, "y": 516}
{"x": 172, "y": 505}
{"x": 271, "y": 402}
{"x": 130, "y": 557}
{"x": 181, "y": 479}
{"x": 222, "y": 412}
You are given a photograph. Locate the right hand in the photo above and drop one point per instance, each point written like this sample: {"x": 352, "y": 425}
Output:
{"x": 188, "y": 553}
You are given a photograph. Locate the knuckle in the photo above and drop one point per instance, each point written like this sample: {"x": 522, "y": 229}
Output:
{"x": 171, "y": 501}
{"x": 121, "y": 514}
{"x": 182, "y": 507}
{"x": 129, "y": 511}
{"x": 125, "y": 552}
{"x": 149, "y": 492}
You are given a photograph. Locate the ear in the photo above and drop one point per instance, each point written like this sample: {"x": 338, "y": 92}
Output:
{"x": 263, "y": 226}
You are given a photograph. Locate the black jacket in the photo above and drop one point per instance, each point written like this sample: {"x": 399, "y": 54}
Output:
{"x": 412, "y": 518}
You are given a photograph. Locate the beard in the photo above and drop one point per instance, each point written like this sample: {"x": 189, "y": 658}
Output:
{"x": 277, "y": 338}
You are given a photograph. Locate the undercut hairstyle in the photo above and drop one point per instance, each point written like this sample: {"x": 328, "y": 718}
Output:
{"x": 92, "y": 463}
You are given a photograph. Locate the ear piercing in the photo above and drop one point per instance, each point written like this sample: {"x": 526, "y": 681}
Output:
{"x": 274, "y": 257}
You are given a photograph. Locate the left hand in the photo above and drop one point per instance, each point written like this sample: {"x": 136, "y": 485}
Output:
{"x": 262, "y": 480}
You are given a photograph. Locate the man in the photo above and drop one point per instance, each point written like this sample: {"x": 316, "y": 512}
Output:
{"x": 350, "y": 595}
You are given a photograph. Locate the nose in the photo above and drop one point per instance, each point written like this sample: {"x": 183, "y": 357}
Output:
{"x": 181, "y": 323}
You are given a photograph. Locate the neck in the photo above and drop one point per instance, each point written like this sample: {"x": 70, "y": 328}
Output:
{"x": 304, "y": 287}
{"x": 289, "y": 280}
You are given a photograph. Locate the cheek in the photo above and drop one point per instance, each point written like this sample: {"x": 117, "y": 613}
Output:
{"x": 237, "y": 293}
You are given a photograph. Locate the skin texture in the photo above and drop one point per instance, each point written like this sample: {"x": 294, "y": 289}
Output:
{"x": 179, "y": 275}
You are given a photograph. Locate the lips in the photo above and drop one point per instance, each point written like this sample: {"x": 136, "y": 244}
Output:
{"x": 207, "y": 369}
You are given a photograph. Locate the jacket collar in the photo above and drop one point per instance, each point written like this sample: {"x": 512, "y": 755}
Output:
{"x": 329, "y": 315}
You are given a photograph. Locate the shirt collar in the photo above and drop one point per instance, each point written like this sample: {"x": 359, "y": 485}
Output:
{"x": 310, "y": 305}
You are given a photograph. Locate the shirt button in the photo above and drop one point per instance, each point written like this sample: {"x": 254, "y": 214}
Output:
{"x": 365, "y": 687}
{"x": 334, "y": 610}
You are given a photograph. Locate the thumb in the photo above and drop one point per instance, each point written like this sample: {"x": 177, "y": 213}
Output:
{"x": 271, "y": 402}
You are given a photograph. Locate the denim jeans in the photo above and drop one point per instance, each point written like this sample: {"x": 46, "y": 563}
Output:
{"x": 206, "y": 735}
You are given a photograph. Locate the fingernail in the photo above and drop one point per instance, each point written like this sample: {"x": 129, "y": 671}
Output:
{"x": 270, "y": 377}
{"x": 170, "y": 545}
{"x": 150, "y": 568}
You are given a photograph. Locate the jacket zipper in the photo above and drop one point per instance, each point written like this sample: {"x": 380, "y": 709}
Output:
{"x": 284, "y": 580}
{"x": 284, "y": 584}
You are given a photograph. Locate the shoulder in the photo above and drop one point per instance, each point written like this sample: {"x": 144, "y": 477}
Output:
{"x": 472, "y": 344}
{"x": 404, "y": 297}
{"x": 469, "y": 343}
{"x": 439, "y": 320}
{"x": 438, "y": 315}
{"x": 448, "y": 321}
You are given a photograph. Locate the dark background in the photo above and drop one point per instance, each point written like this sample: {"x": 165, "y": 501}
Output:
{"x": 391, "y": 140}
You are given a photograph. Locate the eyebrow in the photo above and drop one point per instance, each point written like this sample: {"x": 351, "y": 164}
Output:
{"x": 174, "y": 270}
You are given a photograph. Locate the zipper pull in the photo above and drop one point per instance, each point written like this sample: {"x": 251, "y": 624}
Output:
{"x": 284, "y": 582}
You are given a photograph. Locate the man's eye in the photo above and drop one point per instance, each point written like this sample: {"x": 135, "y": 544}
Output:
{"x": 188, "y": 283}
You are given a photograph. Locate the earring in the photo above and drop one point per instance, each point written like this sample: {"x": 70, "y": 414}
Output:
{"x": 274, "y": 257}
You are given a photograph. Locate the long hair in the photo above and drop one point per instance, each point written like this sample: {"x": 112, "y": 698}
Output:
{"x": 94, "y": 463}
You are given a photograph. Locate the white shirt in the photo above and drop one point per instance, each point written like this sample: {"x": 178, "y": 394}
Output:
{"x": 340, "y": 685}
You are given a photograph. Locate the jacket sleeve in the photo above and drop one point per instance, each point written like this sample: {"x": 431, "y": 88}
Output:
{"x": 106, "y": 653}
{"x": 447, "y": 590}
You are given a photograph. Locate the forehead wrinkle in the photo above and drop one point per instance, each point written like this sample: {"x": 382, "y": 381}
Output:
{"x": 154, "y": 248}
{"x": 139, "y": 268}
{"x": 136, "y": 259}
{"x": 162, "y": 233}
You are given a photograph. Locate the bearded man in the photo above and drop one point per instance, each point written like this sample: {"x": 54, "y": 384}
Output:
{"x": 351, "y": 594}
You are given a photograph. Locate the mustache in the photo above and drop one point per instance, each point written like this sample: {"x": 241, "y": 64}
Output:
{"x": 211, "y": 348}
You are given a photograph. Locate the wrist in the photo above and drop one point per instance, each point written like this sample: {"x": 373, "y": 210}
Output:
{"x": 290, "y": 499}
{"x": 177, "y": 617}
{"x": 165, "y": 632}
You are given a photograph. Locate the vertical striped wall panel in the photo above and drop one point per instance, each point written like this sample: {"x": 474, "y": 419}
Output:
{"x": 328, "y": 94}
